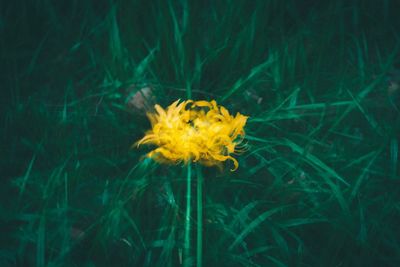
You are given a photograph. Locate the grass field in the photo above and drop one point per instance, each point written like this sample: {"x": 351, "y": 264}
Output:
{"x": 319, "y": 183}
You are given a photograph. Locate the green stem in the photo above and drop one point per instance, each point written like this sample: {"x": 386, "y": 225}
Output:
{"x": 188, "y": 91}
{"x": 199, "y": 253}
{"x": 186, "y": 255}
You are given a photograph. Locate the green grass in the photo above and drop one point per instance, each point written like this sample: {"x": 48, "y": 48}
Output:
{"x": 317, "y": 186}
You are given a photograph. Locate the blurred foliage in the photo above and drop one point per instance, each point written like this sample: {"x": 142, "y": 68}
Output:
{"x": 318, "y": 186}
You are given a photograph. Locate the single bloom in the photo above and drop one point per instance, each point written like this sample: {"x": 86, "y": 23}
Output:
{"x": 198, "y": 131}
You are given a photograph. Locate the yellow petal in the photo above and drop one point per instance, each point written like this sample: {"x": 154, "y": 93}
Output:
{"x": 201, "y": 103}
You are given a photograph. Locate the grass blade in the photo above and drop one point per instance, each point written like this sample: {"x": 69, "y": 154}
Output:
{"x": 199, "y": 254}
{"x": 187, "y": 260}
{"x": 254, "y": 224}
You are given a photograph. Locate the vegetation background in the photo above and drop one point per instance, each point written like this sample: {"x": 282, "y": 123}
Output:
{"x": 318, "y": 186}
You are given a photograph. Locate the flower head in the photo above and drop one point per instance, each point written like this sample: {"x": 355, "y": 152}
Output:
{"x": 198, "y": 131}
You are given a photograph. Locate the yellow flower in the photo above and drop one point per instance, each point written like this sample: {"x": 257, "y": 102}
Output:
{"x": 198, "y": 131}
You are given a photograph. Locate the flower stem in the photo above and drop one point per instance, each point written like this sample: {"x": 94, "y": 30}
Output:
{"x": 188, "y": 91}
{"x": 187, "y": 247}
{"x": 199, "y": 252}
